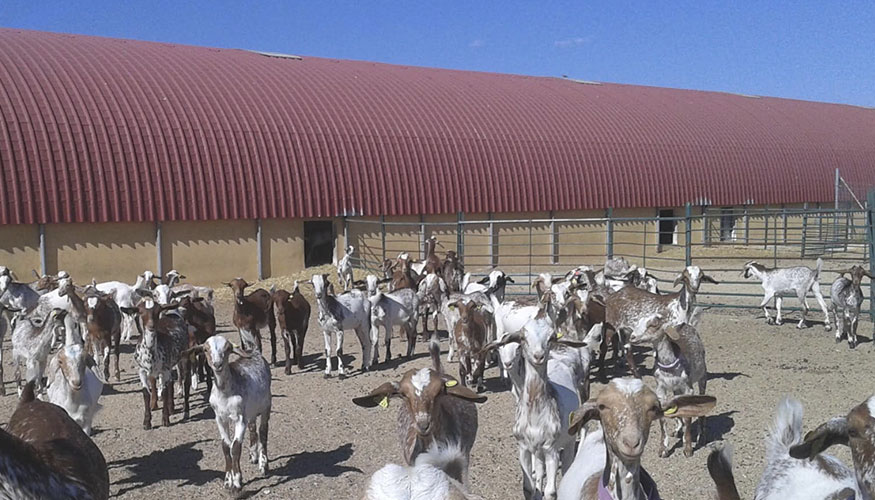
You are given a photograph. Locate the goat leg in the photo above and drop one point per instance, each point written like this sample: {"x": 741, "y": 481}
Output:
{"x": 663, "y": 439}
{"x": 288, "y": 348}
{"x": 411, "y": 340}
{"x": 186, "y": 388}
{"x": 299, "y": 346}
{"x": 153, "y": 402}
{"x": 271, "y": 325}
{"x": 226, "y": 451}
{"x": 147, "y": 413}
{"x": 688, "y": 437}
{"x": 253, "y": 442}
{"x": 167, "y": 404}
{"x": 262, "y": 440}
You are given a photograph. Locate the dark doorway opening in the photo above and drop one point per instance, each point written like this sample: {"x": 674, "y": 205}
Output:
{"x": 667, "y": 227}
{"x": 727, "y": 224}
{"x": 318, "y": 242}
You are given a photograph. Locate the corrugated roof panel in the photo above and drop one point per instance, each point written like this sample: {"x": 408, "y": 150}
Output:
{"x": 97, "y": 129}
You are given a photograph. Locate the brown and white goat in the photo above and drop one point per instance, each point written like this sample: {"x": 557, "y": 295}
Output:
{"x": 104, "y": 328}
{"x": 293, "y": 316}
{"x": 253, "y": 312}
{"x": 402, "y": 276}
{"x": 847, "y": 297}
{"x": 452, "y": 272}
{"x": 201, "y": 319}
{"x": 470, "y": 333}
{"x": 437, "y": 413}
{"x": 432, "y": 262}
{"x": 629, "y": 310}
{"x": 45, "y": 454}
{"x": 608, "y": 462}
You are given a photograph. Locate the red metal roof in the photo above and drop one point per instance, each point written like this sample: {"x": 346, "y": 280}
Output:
{"x": 98, "y": 129}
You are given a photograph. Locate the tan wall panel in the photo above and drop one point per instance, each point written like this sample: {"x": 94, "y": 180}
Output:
{"x": 581, "y": 242}
{"x": 211, "y": 252}
{"x": 110, "y": 251}
{"x": 19, "y": 249}
{"x": 282, "y": 246}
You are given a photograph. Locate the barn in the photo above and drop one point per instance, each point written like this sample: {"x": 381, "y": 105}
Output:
{"x": 120, "y": 154}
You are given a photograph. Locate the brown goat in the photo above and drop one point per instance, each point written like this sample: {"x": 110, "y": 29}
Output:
{"x": 199, "y": 315}
{"x": 470, "y": 334}
{"x": 433, "y": 263}
{"x": 104, "y": 328}
{"x": 293, "y": 316}
{"x": 47, "y": 455}
{"x": 402, "y": 277}
{"x": 252, "y": 313}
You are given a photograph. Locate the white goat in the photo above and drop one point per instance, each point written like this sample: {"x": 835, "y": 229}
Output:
{"x": 344, "y": 268}
{"x": 782, "y": 282}
{"x": 350, "y": 310}
{"x": 495, "y": 283}
{"x": 846, "y": 296}
{"x": 431, "y": 292}
{"x": 73, "y": 382}
{"x": 400, "y": 307}
{"x": 549, "y": 395}
{"x": 127, "y": 298}
{"x": 241, "y": 394}
{"x": 32, "y": 338}
{"x": 816, "y": 475}
{"x": 425, "y": 480}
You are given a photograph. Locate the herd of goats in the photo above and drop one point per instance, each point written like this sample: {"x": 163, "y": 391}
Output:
{"x": 65, "y": 335}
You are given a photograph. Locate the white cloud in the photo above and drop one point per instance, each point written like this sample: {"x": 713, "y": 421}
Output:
{"x": 476, "y": 44}
{"x": 572, "y": 42}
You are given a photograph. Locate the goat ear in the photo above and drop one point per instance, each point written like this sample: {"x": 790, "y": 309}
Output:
{"x": 180, "y": 293}
{"x": 240, "y": 352}
{"x": 192, "y": 351}
{"x": 388, "y": 389}
{"x": 708, "y": 279}
{"x": 834, "y": 431}
{"x": 579, "y": 417}
{"x": 678, "y": 280}
{"x": 484, "y": 280}
{"x": 689, "y": 406}
{"x": 509, "y": 279}
{"x": 507, "y": 339}
{"x": 673, "y": 332}
{"x": 571, "y": 343}
{"x": 460, "y": 391}
{"x": 36, "y": 274}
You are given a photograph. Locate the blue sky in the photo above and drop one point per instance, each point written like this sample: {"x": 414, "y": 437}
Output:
{"x": 823, "y": 51}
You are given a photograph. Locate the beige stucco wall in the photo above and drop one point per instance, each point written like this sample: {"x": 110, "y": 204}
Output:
{"x": 109, "y": 251}
{"x": 19, "y": 249}
{"x": 282, "y": 246}
{"x": 211, "y": 252}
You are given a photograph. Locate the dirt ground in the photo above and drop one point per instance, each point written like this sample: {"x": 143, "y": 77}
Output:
{"x": 321, "y": 446}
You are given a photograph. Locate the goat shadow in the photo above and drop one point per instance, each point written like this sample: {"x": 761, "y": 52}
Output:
{"x": 180, "y": 463}
{"x": 301, "y": 465}
{"x": 716, "y": 426}
{"x": 726, "y": 375}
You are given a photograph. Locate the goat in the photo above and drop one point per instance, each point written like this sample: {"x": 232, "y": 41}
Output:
{"x": 549, "y": 395}
{"x": 293, "y": 317}
{"x": 161, "y": 347}
{"x": 201, "y": 319}
{"x": 846, "y": 296}
{"x": 387, "y": 309}
{"x": 431, "y": 292}
{"x": 437, "y": 414}
{"x": 402, "y": 276}
{"x": 629, "y": 310}
{"x": 103, "y": 327}
{"x": 73, "y": 383}
{"x": 425, "y": 480}
{"x": 32, "y": 339}
{"x": 796, "y": 468}
{"x": 680, "y": 363}
{"x": 253, "y": 312}
{"x": 432, "y": 262}
{"x": 344, "y": 268}
{"x": 45, "y": 454}
{"x": 126, "y": 297}
{"x": 388, "y": 268}
{"x": 471, "y": 337}
{"x": 451, "y": 317}
{"x": 783, "y": 281}
{"x": 16, "y": 296}
{"x": 240, "y": 396}
{"x": 349, "y": 310}
{"x": 495, "y": 283}
{"x": 625, "y": 408}
{"x": 452, "y": 271}
{"x": 172, "y": 278}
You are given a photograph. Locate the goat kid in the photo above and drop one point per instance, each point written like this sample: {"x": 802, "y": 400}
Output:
{"x": 785, "y": 281}
{"x": 470, "y": 333}
{"x": 387, "y": 309}
{"x": 293, "y": 317}
{"x": 349, "y": 310}
{"x": 252, "y": 312}
{"x": 847, "y": 297}
{"x": 344, "y": 268}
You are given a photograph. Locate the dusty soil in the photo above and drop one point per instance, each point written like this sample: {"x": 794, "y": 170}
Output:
{"x": 321, "y": 446}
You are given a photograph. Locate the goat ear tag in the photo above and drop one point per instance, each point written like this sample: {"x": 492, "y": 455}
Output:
{"x": 451, "y": 383}
{"x": 671, "y": 411}
{"x": 558, "y": 335}
{"x": 384, "y": 403}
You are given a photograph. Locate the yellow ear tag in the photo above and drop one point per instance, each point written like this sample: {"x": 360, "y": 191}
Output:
{"x": 671, "y": 411}
{"x": 451, "y": 383}
{"x": 558, "y": 335}
{"x": 384, "y": 403}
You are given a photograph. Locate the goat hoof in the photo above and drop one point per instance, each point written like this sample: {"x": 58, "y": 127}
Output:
{"x": 342, "y": 376}
{"x": 663, "y": 454}
{"x": 827, "y": 328}
{"x": 287, "y": 371}
{"x": 852, "y": 345}
{"x": 688, "y": 453}
{"x": 185, "y": 415}
{"x": 838, "y": 339}
{"x": 147, "y": 426}
{"x": 779, "y": 322}
{"x": 327, "y": 375}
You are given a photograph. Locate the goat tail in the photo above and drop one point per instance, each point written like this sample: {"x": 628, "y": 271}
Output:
{"x": 786, "y": 430}
{"x": 817, "y": 269}
{"x": 720, "y": 470}
{"x": 450, "y": 459}
{"x": 434, "y": 349}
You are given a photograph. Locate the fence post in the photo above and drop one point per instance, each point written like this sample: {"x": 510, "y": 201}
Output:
{"x": 871, "y": 203}
{"x": 421, "y": 236}
{"x": 258, "y": 242}
{"x": 804, "y": 226}
{"x": 460, "y": 235}
{"x": 491, "y": 229}
{"x": 688, "y": 234}
{"x": 42, "y": 249}
{"x": 644, "y": 247}
{"x": 159, "y": 247}
{"x": 530, "y": 250}
{"x": 746, "y": 227}
{"x": 766, "y": 228}
{"x": 382, "y": 238}
{"x": 706, "y": 227}
{"x": 554, "y": 240}
{"x": 784, "y": 215}
{"x": 609, "y": 227}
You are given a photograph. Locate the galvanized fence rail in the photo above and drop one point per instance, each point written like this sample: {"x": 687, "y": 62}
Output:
{"x": 719, "y": 240}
